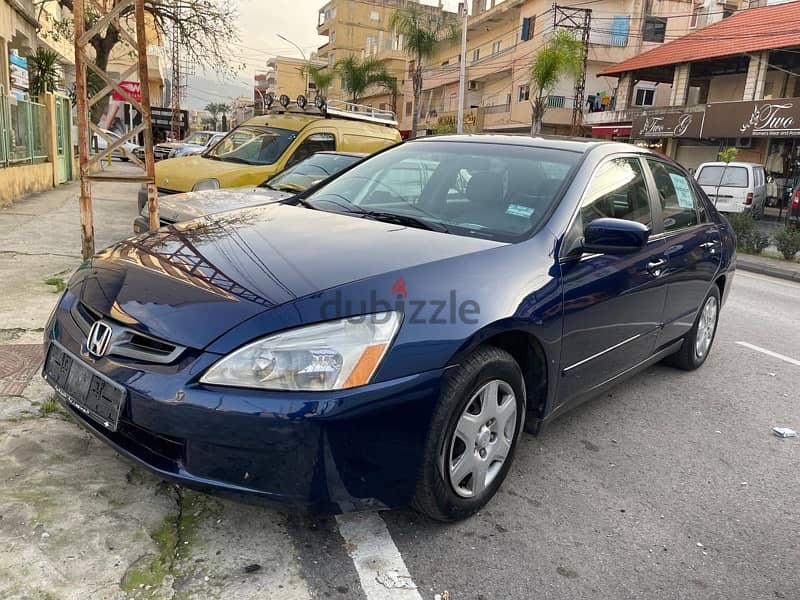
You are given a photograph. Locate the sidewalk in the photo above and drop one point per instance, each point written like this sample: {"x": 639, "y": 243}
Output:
{"x": 774, "y": 267}
{"x": 77, "y": 520}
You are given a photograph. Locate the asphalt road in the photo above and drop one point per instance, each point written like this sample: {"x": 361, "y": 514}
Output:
{"x": 670, "y": 486}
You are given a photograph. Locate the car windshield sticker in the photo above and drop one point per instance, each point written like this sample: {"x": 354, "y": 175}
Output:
{"x": 682, "y": 191}
{"x": 519, "y": 211}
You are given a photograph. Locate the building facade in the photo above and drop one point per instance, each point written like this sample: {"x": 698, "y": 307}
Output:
{"x": 735, "y": 83}
{"x": 285, "y": 75}
{"x": 363, "y": 29}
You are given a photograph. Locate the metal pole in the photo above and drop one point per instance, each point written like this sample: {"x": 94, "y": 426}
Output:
{"x": 303, "y": 54}
{"x": 85, "y": 198}
{"x": 462, "y": 74}
{"x": 144, "y": 86}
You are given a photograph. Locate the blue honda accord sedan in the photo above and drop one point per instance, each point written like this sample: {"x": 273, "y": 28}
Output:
{"x": 384, "y": 338}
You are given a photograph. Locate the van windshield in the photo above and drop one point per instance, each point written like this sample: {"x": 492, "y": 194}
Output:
{"x": 252, "y": 145}
{"x": 718, "y": 175}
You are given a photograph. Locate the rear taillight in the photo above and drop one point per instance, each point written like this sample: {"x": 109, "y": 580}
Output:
{"x": 749, "y": 199}
{"x": 796, "y": 201}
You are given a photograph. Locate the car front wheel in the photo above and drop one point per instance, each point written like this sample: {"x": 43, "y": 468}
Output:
{"x": 473, "y": 435}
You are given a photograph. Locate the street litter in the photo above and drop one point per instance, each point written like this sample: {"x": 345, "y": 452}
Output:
{"x": 784, "y": 432}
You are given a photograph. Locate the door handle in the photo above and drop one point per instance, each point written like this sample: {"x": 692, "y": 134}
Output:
{"x": 711, "y": 246}
{"x": 655, "y": 267}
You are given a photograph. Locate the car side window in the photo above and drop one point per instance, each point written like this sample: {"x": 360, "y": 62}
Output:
{"x": 678, "y": 200}
{"x": 618, "y": 189}
{"x": 316, "y": 142}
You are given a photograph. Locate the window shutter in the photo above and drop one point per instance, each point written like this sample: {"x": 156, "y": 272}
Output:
{"x": 526, "y": 28}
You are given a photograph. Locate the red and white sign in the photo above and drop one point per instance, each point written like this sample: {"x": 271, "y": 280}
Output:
{"x": 132, "y": 87}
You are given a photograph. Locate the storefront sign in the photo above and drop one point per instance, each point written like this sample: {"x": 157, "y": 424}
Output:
{"x": 18, "y": 71}
{"x": 655, "y": 124}
{"x": 762, "y": 118}
{"x": 132, "y": 87}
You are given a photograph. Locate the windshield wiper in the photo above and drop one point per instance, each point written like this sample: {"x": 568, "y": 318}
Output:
{"x": 236, "y": 159}
{"x": 407, "y": 220}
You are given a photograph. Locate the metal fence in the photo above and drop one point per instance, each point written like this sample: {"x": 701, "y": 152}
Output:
{"x": 24, "y": 131}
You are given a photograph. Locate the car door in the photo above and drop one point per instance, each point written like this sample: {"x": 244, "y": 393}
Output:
{"x": 692, "y": 246}
{"x": 613, "y": 303}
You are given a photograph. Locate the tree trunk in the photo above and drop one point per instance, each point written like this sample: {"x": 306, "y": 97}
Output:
{"x": 417, "y": 83}
{"x": 102, "y": 50}
{"x": 537, "y": 114}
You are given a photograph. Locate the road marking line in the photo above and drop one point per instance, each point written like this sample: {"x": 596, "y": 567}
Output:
{"x": 380, "y": 567}
{"x": 791, "y": 361}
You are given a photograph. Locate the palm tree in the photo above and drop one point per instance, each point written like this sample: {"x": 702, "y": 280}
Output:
{"x": 561, "y": 56}
{"x": 359, "y": 75}
{"x": 321, "y": 77}
{"x": 423, "y": 35}
{"x": 213, "y": 109}
{"x": 43, "y": 71}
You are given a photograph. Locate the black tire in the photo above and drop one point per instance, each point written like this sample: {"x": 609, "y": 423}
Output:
{"x": 435, "y": 496}
{"x": 686, "y": 357}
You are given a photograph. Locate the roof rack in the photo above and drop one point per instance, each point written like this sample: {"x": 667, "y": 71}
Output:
{"x": 331, "y": 108}
{"x": 361, "y": 112}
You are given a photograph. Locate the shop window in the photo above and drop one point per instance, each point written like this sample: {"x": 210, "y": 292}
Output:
{"x": 655, "y": 29}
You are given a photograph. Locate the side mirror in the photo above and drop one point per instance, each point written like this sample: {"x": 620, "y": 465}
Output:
{"x": 614, "y": 236}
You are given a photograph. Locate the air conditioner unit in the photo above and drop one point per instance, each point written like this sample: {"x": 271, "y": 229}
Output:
{"x": 745, "y": 142}
{"x": 472, "y": 85}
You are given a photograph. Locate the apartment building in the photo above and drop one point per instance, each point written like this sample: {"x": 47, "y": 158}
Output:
{"x": 502, "y": 41}
{"x": 735, "y": 83}
{"x": 284, "y": 76}
{"x": 362, "y": 28}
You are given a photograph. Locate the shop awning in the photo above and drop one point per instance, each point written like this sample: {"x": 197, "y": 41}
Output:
{"x": 617, "y": 130}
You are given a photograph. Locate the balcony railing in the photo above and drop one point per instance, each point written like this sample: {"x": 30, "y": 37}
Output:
{"x": 622, "y": 116}
{"x": 496, "y": 108}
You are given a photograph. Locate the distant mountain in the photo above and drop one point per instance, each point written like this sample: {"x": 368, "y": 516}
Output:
{"x": 203, "y": 90}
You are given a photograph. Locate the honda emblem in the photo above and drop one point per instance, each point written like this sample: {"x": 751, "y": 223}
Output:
{"x": 98, "y": 340}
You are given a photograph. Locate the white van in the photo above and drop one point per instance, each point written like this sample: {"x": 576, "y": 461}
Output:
{"x": 742, "y": 186}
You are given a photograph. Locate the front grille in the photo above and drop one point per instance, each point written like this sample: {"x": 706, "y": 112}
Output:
{"x": 126, "y": 342}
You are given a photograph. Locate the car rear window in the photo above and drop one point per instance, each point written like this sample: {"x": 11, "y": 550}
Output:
{"x": 724, "y": 177}
{"x": 496, "y": 191}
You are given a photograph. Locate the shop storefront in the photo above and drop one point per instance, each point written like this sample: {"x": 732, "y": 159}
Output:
{"x": 763, "y": 131}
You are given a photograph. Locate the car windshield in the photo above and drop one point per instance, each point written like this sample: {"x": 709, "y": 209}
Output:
{"x": 483, "y": 190}
{"x": 722, "y": 176}
{"x": 310, "y": 171}
{"x": 252, "y": 145}
{"x": 198, "y": 137}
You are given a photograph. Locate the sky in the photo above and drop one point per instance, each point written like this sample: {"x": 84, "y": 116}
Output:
{"x": 259, "y": 23}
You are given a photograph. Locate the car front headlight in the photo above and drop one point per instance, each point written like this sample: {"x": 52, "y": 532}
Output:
{"x": 173, "y": 153}
{"x": 206, "y": 184}
{"x": 333, "y": 355}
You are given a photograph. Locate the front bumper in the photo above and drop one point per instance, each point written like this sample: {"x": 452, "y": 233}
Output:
{"x": 322, "y": 452}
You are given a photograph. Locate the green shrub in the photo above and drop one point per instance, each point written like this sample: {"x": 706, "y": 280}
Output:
{"x": 742, "y": 225}
{"x": 755, "y": 242}
{"x": 788, "y": 243}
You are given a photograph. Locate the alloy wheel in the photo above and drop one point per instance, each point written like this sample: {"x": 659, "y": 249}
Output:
{"x": 706, "y": 326}
{"x": 482, "y": 439}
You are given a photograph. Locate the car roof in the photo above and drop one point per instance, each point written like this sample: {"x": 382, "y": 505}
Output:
{"x": 733, "y": 163}
{"x": 555, "y": 142}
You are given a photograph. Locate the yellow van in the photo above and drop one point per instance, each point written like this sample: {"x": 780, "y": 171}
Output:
{"x": 266, "y": 145}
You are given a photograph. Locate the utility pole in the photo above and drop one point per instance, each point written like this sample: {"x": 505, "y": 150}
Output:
{"x": 84, "y": 59}
{"x": 580, "y": 21}
{"x": 175, "y": 81}
{"x": 462, "y": 74}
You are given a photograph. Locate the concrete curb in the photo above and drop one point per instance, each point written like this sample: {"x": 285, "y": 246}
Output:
{"x": 755, "y": 265}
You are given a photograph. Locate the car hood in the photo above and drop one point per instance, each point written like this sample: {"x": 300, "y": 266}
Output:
{"x": 190, "y": 283}
{"x": 183, "y": 172}
{"x": 191, "y": 205}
